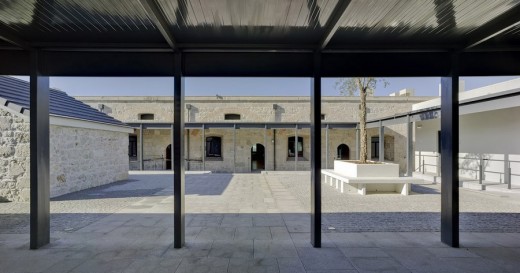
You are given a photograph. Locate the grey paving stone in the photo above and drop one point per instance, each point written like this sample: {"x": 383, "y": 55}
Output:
{"x": 506, "y": 258}
{"x": 103, "y": 265}
{"x": 274, "y": 249}
{"x": 323, "y": 259}
{"x": 351, "y": 240}
{"x": 363, "y": 252}
{"x": 290, "y": 265}
{"x": 241, "y": 265}
{"x": 216, "y": 233}
{"x": 232, "y": 249}
{"x": 377, "y": 264}
{"x": 251, "y": 233}
{"x": 203, "y": 265}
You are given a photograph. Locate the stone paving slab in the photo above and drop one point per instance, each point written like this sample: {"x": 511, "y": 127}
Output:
{"x": 131, "y": 230}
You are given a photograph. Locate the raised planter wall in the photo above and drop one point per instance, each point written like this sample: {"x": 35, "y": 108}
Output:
{"x": 352, "y": 169}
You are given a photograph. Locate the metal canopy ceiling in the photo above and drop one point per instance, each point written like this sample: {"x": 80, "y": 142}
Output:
{"x": 217, "y": 29}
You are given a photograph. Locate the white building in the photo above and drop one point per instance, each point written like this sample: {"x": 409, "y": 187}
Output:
{"x": 489, "y": 137}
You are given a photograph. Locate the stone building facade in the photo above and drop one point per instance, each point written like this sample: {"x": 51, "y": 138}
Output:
{"x": 84, "y": 153}
{"x": 237, "y": 147}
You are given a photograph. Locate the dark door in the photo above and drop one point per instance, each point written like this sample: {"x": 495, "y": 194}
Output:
{"x": 257, "y": 157}
{"x": 343, "y": 152}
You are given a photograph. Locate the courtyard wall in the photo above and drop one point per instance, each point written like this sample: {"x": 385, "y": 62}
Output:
{"x": 80, "y": 158}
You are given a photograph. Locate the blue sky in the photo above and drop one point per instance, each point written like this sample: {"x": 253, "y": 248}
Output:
{"x": 163, "y": 86}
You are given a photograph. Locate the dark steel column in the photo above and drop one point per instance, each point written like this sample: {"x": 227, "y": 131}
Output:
{"x": 315, "y": 153}
{"x": 39, "y": 152}
{"x": 449, "y": 157}
{"x": 381, "y": 141}
{"x": 178, "y": 153}
{"x": 409, "y": 147}
{"x": 141, "y": 145}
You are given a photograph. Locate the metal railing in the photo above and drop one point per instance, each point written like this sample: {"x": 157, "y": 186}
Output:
{"x": 505, "y": 176}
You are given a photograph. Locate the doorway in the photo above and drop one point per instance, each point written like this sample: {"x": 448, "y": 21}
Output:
{"x": 257, "y": 157}
{"x": 343, "y": 152}
{"x": 169, "y": 157}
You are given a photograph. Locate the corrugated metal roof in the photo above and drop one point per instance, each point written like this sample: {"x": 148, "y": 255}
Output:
{"x": 416, "y": 21}
{"x": 17, "y": 91}
{"x": 443, "y": 23}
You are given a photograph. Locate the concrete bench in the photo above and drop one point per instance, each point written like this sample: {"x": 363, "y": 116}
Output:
{"x": 370, "y": 184}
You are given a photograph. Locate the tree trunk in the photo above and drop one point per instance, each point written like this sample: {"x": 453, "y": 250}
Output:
{"x": 363, "y": 154}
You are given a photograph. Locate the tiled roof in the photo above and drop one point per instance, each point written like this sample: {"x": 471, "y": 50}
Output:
{"x": 16, "y": 91}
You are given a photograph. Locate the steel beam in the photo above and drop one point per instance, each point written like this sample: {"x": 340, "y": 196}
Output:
{"x": 449, "y": 157}
{"x": 39, "y": 152}
{"x": 156, "y": 15}
{"x": 409, "y": 147}
{"x": 334, "y": 22}
{"x": 11, "y": 38}
{"x": 381, "y": 142}
{"x": 504, "y": 22}
{"x": 141, "y": 145}
{"x": 178, "y": 154}
{"x": 316, "y": 153}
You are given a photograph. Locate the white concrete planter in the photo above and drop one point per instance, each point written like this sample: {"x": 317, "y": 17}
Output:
{"x": 352, "y": 169}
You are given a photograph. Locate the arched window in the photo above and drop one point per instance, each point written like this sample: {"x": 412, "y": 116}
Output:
{"x": 232, "y": 116}
{"x": 146, "y": 116}
{"x": 343, "y": 152}
{"x": 299, "y": 145}
{"x": 213, "y": 147}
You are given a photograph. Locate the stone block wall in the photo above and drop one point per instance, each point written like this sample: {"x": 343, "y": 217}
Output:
{"x": 14, "y": 157}
{"x": 79, "y": 158}
{"x": 84, "y": 158}
{"x": 276, "y": 148}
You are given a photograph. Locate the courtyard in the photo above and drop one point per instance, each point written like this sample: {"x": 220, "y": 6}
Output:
{"x": 260, "y": 223}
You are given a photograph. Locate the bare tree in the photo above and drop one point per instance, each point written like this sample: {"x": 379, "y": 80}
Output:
{"x": 363, "y": 87}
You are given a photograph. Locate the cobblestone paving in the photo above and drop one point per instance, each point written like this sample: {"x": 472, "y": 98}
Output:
{"x": 420, "y": 211}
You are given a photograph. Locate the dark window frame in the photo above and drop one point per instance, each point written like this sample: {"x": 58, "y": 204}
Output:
{"x": 132, "y": 146}
{"x": 146, "y": 116}
{"x": 374, "y": 144}
{"x": 290, "y": 144}
{"x": 232, "y": 116}
{"x": 213, "y": 147}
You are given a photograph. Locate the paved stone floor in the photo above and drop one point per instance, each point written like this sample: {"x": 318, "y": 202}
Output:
{"x": 260, "y": 223}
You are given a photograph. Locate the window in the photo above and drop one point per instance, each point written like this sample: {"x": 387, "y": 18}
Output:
{"x": 232, "y": 116}
{"x": 322, "y": 116}
{"x": 213, "y": 147}
{"x": 291, "y": 147}
{"x": 146, "y": 116}
{"x": 132, "y": 146}
{"x": 375, "y": 148}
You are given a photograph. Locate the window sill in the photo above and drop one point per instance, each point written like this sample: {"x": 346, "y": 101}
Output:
{"x": 300, "y": 158}
{"x": 214, "y": 159}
